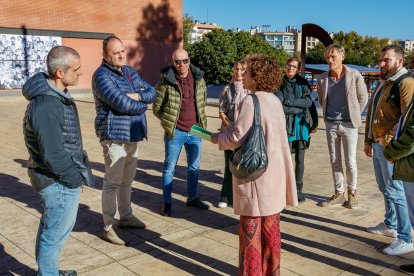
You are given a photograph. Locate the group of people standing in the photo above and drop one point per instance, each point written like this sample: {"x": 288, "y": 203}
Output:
{"x": 58, "y": 165}
{"x": 343, "y": 95}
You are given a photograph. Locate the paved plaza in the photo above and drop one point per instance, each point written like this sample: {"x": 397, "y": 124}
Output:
{"x": 315, "y": 240}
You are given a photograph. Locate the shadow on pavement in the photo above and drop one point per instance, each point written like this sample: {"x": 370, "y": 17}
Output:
{"x": 10, "y": 266}
{"x": 146, "y": 241}
{"x": 151, "y": 242}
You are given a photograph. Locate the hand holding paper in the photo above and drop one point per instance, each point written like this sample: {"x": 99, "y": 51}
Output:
{"x": 201, "y": 132}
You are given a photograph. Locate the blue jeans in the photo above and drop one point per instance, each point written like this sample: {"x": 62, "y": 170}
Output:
{"x": 396, "y": 213}
{"x": 60, "y": 207}
{"x": 409, "y": 196}
{"x": 192, "y": 145}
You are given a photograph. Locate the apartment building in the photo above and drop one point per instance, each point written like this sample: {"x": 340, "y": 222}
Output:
{"x": 408, "y": 45}
{"x": 200, "y": 29}
{"x": 290, "y": 39}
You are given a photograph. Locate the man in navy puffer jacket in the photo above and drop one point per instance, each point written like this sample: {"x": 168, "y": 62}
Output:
{"x": 121, "y": 99}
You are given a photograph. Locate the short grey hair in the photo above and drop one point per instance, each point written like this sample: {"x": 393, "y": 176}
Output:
{"x": 334, "y": 47}
{"x": 58, "y": 58}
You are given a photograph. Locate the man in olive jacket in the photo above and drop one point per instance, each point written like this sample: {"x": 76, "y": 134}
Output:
{"x": 179, "y": 104}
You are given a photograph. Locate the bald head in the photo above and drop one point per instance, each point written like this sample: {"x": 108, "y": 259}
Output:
{"x": 180, "y": 53}
{"x": 181, "y": 62}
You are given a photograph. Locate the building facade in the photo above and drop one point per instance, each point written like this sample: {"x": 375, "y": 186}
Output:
{"x": 150, "y": 29}
{"x": 283, "y": 39}
{"x": 200, "y": 29}
{"x": 290, "y": 40}
{"x": 408, "y": 45}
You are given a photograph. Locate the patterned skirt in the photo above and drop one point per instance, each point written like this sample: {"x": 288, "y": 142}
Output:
{"x": 259, "y": 239}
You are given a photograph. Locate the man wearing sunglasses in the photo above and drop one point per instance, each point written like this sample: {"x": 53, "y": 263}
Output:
{"x": 179, "y": 104}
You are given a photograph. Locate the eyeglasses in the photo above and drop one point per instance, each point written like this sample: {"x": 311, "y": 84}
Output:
{"x": 179, "y": 61}
{"x": 292, "y": 66}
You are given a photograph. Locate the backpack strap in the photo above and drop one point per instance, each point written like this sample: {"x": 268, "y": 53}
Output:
{"x": 395, "y": 90}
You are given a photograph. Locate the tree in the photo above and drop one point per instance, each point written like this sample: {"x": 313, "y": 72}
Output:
{"x": 315, "y": 55}
{"x": 188, "y": 24}
{"x": 218, "y": 50}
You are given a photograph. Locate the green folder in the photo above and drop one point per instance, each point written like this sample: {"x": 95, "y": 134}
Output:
{"x": 200, "y": 132}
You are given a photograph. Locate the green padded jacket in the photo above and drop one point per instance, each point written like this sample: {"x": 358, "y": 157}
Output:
{"x": 402, "y": 150}
{"x": 167, "y": 104}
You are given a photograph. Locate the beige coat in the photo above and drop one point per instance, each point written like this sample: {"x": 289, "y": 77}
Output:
{"x": 356, "y": 94}
{"x": 270, "y": 193}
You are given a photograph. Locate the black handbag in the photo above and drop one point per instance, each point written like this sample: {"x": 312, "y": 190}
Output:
{"x": 249, "y": 161}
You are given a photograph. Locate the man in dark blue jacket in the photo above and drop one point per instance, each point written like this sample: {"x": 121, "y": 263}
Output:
{"x": 58, "y": 165}
{"x": 121, "y": 99}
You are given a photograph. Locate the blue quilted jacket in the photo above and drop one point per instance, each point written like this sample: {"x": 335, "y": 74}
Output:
{"x": 118, "y": 117}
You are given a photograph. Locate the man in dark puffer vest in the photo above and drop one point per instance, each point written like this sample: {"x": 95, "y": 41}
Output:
{"x": 180, "y": 103}
{"x": 58, "y": 165}
{"x": 121, "y": 99}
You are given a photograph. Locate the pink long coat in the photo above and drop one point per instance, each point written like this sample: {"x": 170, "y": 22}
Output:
{"x": 276, "y": 188}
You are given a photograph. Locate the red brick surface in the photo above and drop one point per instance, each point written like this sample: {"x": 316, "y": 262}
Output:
{"x": 150, "y": 29}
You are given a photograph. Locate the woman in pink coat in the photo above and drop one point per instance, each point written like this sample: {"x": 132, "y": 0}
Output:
{"x": 260, "y": 202}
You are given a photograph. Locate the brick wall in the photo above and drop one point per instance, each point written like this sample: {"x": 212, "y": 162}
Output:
{"x": 150, "y": 29}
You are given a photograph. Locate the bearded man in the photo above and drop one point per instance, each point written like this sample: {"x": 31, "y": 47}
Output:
{"x": 390, "y": 100}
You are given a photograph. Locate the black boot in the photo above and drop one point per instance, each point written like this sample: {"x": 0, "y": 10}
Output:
{"x": 301, "y": 196}
{"x": 166, "y": 211}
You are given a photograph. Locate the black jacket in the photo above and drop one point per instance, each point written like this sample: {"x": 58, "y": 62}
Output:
{"x": 295, "y": 104}
{"x": 53, "y": 137}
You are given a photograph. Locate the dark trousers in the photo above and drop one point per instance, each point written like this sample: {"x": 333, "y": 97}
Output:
{"x": 298, "y": 148}
{"x": 226, "y": 194}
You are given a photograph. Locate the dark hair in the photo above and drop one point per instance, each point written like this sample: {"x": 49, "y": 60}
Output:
{"x": 58, "y": 58}
{"x": 265, "y": 72}
{"x": 294, "y": 59}
{"x": 399, "y": 51}
{"x": 105, "y": 42}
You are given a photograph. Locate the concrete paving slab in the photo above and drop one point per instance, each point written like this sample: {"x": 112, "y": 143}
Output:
{"x": 315, "y": 240}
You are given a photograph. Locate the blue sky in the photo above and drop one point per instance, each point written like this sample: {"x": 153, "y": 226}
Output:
{"x": 392, "y": 19}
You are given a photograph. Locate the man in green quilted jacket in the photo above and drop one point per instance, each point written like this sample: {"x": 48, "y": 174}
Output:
{"x": 180, "y": 103}
{"x": 400, "y": 151}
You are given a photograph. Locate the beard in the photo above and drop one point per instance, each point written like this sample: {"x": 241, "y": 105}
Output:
{"x": 385, "y": 73}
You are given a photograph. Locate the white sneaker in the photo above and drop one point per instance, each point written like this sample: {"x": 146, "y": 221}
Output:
{"x": 382, "y": 229}
{"x": 398, "y": 247}
{"x": 222, "y": 204}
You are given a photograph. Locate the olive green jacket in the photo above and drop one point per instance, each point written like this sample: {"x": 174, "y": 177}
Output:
{"x": 167, "y": 104}
{"x": 401, "y": 150}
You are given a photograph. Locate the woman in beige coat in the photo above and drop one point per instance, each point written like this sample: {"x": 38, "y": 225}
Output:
{"x": 260, "y": 202}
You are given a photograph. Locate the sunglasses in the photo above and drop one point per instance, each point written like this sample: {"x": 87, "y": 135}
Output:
{"x": 179, "y": 61}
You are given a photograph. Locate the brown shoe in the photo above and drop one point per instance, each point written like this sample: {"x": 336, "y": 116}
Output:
{"x": 131, "y": 222}
{"x": 352, "y": 201}
{"x": 336, "y": 199}
{"x": 111, "y": 237}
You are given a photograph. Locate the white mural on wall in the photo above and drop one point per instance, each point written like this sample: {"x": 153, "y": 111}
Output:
{"x": 23, "y": 56}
